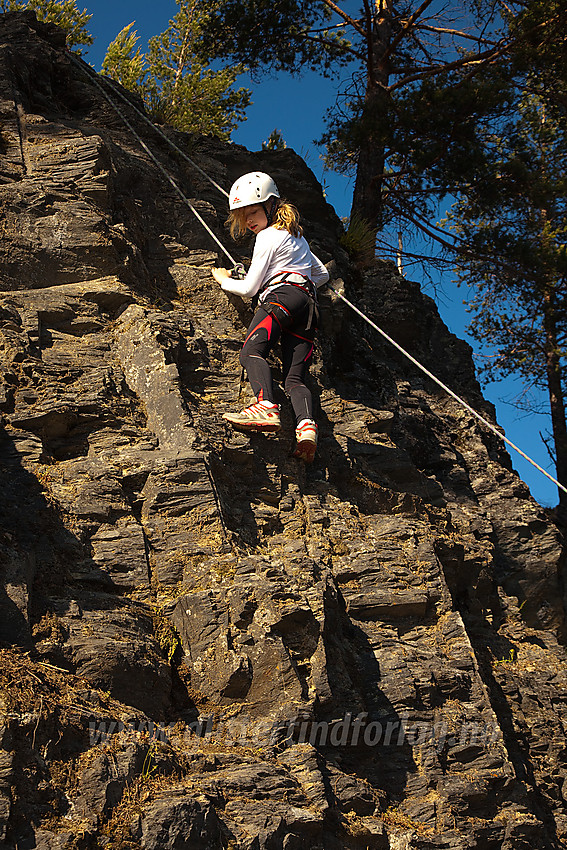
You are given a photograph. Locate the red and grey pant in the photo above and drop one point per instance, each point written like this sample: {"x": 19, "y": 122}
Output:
{"x": 286, "y": 315}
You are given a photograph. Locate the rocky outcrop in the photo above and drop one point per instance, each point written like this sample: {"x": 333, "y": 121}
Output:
{"x": 204, "y": 643}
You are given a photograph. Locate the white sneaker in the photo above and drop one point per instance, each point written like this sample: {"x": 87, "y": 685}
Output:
{"x": 257, "y": 417}
{"x": 306, "y": 436}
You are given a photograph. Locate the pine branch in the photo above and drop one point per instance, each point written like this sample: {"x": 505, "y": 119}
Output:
{"x": 549, "y": 451}
{"x": 327, "y": 28}
{"x": 332, "y": 45}
{"x": 458, "y": 33}
{"x": 480, "y": 60}
{"x": 407, "y": 25}
{"x": 352, "y": 21}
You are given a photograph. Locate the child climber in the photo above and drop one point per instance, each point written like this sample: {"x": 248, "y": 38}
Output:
{"x": 284, "y": 276}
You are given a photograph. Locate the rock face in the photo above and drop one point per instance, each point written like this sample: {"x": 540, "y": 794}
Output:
{"x": 204, "y": 643}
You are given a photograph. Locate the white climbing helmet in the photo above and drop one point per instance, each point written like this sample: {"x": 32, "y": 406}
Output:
{"x": 253, "y": 188}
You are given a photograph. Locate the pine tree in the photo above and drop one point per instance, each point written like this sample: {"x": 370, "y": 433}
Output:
{"x": 404, "y": 126}
{"x": 512, "y": 222}
{"x": 275, "y": 141}
{"x": 176, "y": 86}
{"x": 63, "y": 13}
{"x": 124, "y": 62}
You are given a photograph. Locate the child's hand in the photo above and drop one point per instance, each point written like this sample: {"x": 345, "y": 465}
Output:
{"x": 220, "y": 275}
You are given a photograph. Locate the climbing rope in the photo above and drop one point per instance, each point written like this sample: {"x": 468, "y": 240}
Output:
{"x": 443, "y": 386}
{"x": 156, "y": 161}
{"x": 96, "y": 80}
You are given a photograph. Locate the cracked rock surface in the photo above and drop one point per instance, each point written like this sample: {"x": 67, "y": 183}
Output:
{"x": 205, "y": 644}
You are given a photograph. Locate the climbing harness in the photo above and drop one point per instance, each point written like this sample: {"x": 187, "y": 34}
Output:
{"x": 238, "y": 271}
{"x": 300, "y": 281}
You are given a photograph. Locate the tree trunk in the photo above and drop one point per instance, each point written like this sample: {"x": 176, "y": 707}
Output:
{"x": 367, "y": 197}
{"x": 556, "y": 397}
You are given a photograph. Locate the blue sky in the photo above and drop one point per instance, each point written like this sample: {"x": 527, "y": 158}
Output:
{"x": 297, "y": 108}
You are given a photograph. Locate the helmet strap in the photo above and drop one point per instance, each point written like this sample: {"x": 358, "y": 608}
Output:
{"x": 271, "y": 209}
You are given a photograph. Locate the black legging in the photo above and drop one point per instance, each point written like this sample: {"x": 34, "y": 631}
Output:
{"x": 284, "y": 314}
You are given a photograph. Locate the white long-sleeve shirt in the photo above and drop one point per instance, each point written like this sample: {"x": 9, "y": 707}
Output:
{"x": 277, "y": 251}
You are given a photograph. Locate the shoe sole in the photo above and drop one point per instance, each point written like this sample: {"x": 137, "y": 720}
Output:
{"x": 265, "y": 427}
{"x": 305, "y": 451}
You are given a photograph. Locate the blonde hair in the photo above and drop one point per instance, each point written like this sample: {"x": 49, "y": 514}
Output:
{"x": 286, "y": 217}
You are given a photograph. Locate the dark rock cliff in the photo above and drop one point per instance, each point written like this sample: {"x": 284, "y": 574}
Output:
{"x": 205, "y": 644}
